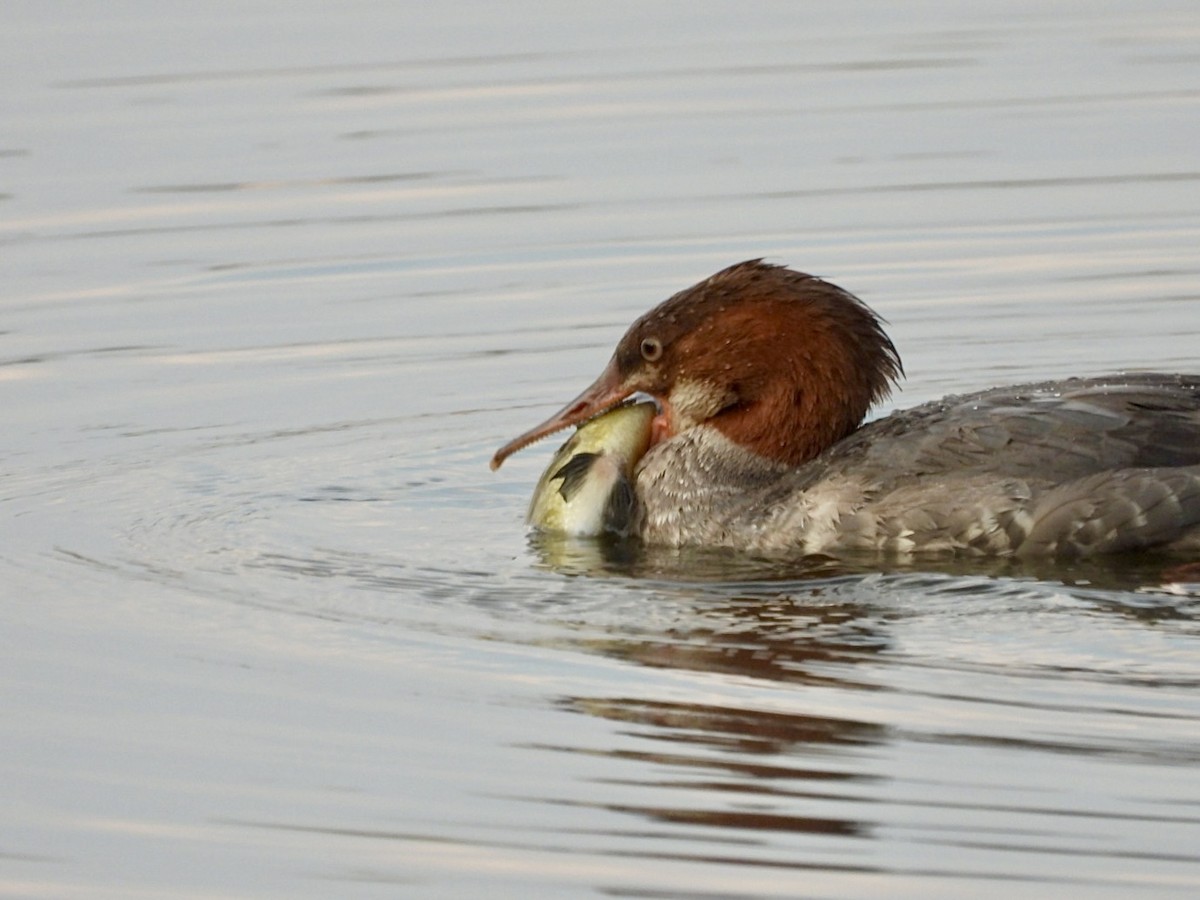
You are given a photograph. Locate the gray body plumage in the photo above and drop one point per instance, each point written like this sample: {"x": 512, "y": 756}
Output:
{"x": 1071, "y": 468}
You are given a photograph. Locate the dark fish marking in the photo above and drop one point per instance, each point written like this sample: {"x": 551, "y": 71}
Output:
{"x": 618, "y": 511}
{"x": 574, "y": 473}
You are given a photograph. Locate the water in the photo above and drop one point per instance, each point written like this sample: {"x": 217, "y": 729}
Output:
{"x": 278, "y": 280}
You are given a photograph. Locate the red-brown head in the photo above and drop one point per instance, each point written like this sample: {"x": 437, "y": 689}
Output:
{"x": 780, "y": 362}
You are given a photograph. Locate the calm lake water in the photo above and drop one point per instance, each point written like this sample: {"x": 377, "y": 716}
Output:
{"x": 278, "y": 279}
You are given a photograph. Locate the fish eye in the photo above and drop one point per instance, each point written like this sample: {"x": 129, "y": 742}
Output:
{"x": 652, "y": 349}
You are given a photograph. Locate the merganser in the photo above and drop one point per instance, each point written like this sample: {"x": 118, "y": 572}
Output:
{"x": 763, "y": 376}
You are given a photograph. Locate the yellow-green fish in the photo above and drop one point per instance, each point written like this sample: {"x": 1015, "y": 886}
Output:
{"x": 588, "y": 487}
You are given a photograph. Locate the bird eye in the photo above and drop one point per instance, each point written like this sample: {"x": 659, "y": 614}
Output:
{"x": 652, "y": 349}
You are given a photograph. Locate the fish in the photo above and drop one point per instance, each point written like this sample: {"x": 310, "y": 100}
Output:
{"x": 587, "y": 490}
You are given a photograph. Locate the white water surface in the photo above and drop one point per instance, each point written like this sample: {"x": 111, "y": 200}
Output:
{"x": 277, "y": 280}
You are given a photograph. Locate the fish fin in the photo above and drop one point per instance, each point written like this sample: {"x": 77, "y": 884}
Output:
{"x": 618, "y": 511}
{"x": 573, "y": 474}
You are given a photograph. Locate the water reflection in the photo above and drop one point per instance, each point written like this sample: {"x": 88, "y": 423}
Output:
{"x": 608, "y": 555}
{"x": 807, "y": 636}
{"x": 775, "y": 772}
{"x": 611, "y": 555}
{"x": 691, "y": 732}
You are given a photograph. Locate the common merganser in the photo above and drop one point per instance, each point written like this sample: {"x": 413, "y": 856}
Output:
{"x": 763, "y": 376}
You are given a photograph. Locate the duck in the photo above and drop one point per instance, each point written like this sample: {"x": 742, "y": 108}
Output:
{"x": 763, "y": 377}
